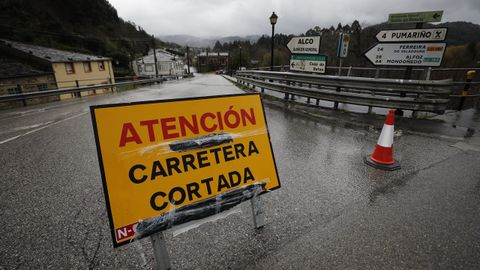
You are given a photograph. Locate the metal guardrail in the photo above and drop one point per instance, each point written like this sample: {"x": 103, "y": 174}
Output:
{"x": 47, "y": 93}
{"x": 415, "y": 95}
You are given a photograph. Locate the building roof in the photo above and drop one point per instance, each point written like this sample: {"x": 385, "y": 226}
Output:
{"x": 162, "y": 56}
{"x": 52, "y": 55}
{"x": 214, "y": 54}
{"x": 11, "y": 68}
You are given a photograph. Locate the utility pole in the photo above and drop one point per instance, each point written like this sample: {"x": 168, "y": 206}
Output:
{"x": 188, "y": 61}
{"x": 155, "y": 56}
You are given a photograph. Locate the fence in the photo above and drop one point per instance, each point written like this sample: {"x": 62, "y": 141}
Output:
{"x": 23, "y": 96}
{"x": 415, "y": 95}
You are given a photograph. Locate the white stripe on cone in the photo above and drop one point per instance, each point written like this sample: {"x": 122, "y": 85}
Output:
{"x": 386, "y": 137}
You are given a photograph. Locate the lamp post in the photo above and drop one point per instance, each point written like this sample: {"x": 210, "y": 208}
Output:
{"x": 273, "y": 21}
{"x": 240, "y": 67}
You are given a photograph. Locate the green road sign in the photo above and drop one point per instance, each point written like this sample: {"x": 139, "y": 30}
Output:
{"x": 416, "y": 17}
{"x": 308, "y": 57}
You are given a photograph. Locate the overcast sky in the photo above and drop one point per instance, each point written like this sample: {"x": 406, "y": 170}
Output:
{"x": 245, "y": 17}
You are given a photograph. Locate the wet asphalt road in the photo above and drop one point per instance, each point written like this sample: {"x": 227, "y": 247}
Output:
{"x": 331, "y": 212}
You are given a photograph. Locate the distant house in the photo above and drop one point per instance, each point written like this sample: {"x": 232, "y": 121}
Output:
{"x": 18, "y": 76}
{"x": 211, "y": 61}
{"x": 167, "y": 64}
{"x": 69, "y": 69}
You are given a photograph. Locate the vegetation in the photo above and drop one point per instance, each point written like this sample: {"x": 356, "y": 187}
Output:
{"x": 87, "y": 26}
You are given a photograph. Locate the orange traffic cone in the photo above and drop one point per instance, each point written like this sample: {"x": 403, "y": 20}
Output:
{"x": 382, "y": 157}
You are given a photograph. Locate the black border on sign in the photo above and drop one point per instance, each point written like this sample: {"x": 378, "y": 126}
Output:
{"x": 431, "y": 28}
{"x": 371, "y": 47}
{"x": 99, "y": 151}
{"x": 319, "y": 44}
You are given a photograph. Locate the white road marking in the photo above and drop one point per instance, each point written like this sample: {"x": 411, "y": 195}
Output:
{"x": 38, "y": 129}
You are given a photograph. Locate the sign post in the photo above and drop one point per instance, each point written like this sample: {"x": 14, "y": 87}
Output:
{"x": 167, "y": 162}
{"x": 342, "y": 50}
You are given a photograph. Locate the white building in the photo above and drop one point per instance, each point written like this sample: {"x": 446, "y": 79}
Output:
{"x": 167, "y": 64}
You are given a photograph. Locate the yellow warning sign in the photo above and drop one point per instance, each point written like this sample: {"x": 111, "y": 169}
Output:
{"x": 158, "y": 156}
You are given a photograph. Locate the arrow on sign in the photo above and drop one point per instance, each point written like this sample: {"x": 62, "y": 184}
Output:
{"x": 436, "y": 15}
{"x": 304, "y": 45}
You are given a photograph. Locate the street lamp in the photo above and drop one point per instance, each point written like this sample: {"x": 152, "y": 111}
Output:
{"x": 240, "y": 47}
{"x": 273, "y": 21}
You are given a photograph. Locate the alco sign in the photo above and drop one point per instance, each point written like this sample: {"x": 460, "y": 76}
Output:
{"x": 157, "y": 156}
{"x": 308, "y": 63}
{"x": 408, "y": 35}
{"x": 416, "y": 17}
{"x": 407, "y": 54}
{"x": 304, "y": 45}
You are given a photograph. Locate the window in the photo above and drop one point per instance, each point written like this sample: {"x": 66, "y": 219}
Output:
{"x": 140, "y": 68}
{"x": 42, "y": 86}
{"x": 69, "y": 67}
{"x": 148, "y": 68}
{"x": 87, "y": 67}
{"x": 101, "y": 66}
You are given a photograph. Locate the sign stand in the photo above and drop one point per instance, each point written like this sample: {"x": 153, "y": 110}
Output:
{"x": 257, "y": 212}
{"x": 160, "y": 252}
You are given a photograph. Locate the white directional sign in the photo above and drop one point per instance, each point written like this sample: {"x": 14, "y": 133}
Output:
{"x": 304, "y": 45}
{"x": 407, "y": 54}
{"x": 308, "y": 63}
{"x": 407, "y": 35}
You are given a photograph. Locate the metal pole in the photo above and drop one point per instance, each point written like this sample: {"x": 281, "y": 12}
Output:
{"x": 340, "y": 63}
{"x": 407, "y": 75}
{"x": 188, "y": 61}
{"x": 271, "y": 60}
{"x": 154, "y": 56}
{"x": 160, "y": 252}
{"x": 257, "y": 211}
{"x": 470, "y": 75}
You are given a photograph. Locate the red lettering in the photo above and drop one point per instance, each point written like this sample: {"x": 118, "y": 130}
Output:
{"x": 125, "y": 138}
{"x": 250, "y": 118}
{"x": 149, "y": 124}
{"x": 192, "y": 126}
{"x": 167, "y": 126}
{"x": 204, "y": 124}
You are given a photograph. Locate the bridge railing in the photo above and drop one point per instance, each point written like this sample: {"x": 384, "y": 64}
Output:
{"x": 415, "y": 95}
{"x": 23, "y": 96}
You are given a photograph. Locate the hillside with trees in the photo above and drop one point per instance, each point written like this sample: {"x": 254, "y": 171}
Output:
{"x": 87, "y": 26}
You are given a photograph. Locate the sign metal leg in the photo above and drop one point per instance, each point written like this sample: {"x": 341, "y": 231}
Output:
{"x": 160, "y": 252}
{"x": 258, "y": 213}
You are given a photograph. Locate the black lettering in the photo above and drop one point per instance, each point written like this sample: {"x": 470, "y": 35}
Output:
{"x": 188, "y": 160}
{"x": 252, "y": 148}
{"x": 247, "y": 175}
{"x": 215, "y": 151}
{"x": 222, "y": 183}
{"x": 234, "y": 182}
{"x": 192, "y": 188}
{"x": 207, "y": 184}
{"x": 157, "y": 170}
{"x": 154, "y": 205}
{"x": 172, "y": 163}
{"x": 228, "y": 155}
{"x": 171, "y": 195}
{"x": 239, "y": 147}
{"x": 202, "y": 159}
{"x": 131, "y": 174}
